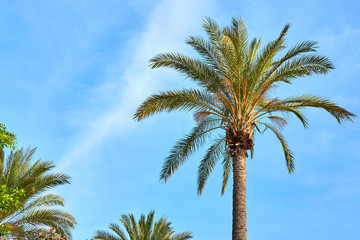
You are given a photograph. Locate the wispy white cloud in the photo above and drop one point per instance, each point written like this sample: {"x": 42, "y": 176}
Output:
{"x": 124, "y": 89}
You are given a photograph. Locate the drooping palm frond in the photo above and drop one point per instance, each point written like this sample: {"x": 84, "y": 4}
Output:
{"x": 38, "y": 210}
{"x": 187, "y": 145}
{"x": 237, "y": 79}
{"x": 340, "y": 114}
{"x": 289, "y": 157}
{"x": 145, "y": 229}
{"x": 207, "y": 164}
{"x": 227, "y": 169}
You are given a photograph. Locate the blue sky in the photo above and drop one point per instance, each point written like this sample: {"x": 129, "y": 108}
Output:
{"x": 73, "y": 72}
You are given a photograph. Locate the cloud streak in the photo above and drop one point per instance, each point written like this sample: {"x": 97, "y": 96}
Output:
{"x": 169, "y": 23}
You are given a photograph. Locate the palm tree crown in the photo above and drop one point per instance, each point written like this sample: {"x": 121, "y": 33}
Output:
{"x": 236, "y": 79}
{"x": 37, "y": 212}
{"x": 145, "y": 229}
{"x": 235, "y": 100}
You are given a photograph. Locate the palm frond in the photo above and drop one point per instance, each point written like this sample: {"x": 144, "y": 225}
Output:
{"x": 207, "y": 164}
{"x": 182, "y": 236}
{"x": 264, "y": 59}
{"x": 305, "y": 65}
{"x": 270, "y": 107}
{"x": 116, "y": 228}
{"x": 213, "y": 30}
{"x": 185, "y": 147}
{"x": 210, "y": 53}
{"x": 182, "y": 100}
{"x": 103, "y": 235}
{"x": 309, "y": 100}
{"x": 144, "y": 229}
{"x": 278, "y": 122}
{"x": 227, "y": 169}
{"x": 194, "y": 69}
{"x": 47, "y": 200}
{"x": 48, "y": 217}
{"x": 289, "y": 157}
{"x": 298, "y": 49}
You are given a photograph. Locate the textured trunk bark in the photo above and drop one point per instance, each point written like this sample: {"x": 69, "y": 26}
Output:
{"x": 239, "y": 229}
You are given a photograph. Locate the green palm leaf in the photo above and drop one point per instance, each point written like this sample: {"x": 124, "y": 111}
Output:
{"x": 208, "y": 162}
{"x": 144, "y": 229}
{"x": 289, "y": 157}
{"x": 186, "y": 146}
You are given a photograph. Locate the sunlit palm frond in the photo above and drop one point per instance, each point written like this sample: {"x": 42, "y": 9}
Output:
{"x": 213, "y": 31}
{"x": 144, "y": 229}
{"x": 47, "y": 200}
{"x": 265, "y": 59}
{"x": 194, "y": 69}
{"x": 56, "y": 218}
{"x": 116, "y": 228}
{"x": 210, "y": 53}
{"x": 182, "y": 100}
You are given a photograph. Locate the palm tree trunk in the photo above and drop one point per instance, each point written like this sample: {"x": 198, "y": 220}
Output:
{"x": 239, "y": 229}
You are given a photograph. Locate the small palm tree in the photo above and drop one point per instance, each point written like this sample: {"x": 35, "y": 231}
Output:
{"x": 237, "y": 79}
{"x": 36, "y": 212}
{"x": 145, "y": 229}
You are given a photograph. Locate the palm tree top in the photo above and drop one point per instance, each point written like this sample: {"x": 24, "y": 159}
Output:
{"x": 237, "y": 78}
{"x": 144, "y": 229}
{"x": 38, "y": 209}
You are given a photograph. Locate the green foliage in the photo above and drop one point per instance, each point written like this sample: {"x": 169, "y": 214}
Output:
{"x": 144, "y": 229}
{"x": 10, "y": 198}
{"x": 38, "y": 210}
{"x": 7, "y": 139}
{"x": 237, "y": 79}
{"x": 5, "y": 229}
{"x": 10, "y": 201}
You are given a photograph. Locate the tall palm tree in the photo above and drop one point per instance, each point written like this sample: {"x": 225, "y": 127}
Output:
{"x": 37, "y": 213}
{"x": 235, "y": 100}
{"x": 145, "y": 229}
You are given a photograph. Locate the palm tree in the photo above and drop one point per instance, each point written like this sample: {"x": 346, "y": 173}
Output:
{"x": 235, "y": 100}
{"x": 36, "y": 212}
{"x": 145, "y": 229}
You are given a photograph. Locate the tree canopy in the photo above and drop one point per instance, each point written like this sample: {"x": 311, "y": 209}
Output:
{"x": 7, "y": 139}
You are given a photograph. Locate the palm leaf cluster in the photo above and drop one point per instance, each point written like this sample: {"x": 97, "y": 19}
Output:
{"x": 236, "y": 78}
{"x": 144, "y": 229}
{"x": 38, "y": 210}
